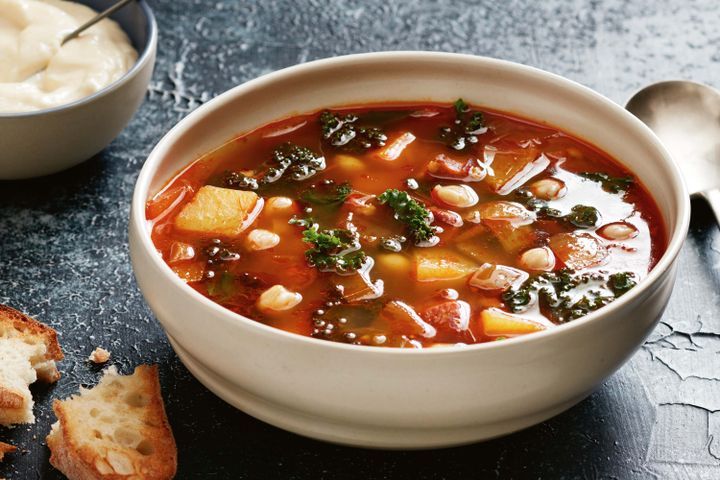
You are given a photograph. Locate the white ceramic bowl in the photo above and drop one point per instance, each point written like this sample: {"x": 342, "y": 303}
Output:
{"x": 393, "y": 398}
{"x": 50, "y": 140}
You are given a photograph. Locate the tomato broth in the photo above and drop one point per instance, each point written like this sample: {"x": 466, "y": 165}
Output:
{"x": 410, "y": 226}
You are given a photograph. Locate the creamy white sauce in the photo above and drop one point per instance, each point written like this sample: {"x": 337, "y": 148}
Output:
{"x": 37, "y": 73}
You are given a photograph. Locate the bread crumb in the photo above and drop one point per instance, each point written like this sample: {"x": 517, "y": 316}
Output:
{"x": 99, "y": 355}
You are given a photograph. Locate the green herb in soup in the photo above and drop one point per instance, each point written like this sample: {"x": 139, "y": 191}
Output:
{"x": 411, "y": 226}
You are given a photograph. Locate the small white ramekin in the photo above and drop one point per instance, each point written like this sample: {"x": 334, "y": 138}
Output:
{"x": 393, "y": 398}
{"x": 46, "y": 141}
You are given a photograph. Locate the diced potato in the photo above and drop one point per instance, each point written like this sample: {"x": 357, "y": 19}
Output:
{"x": 510, "y": 212}
{"x": 490, "y": 277}
{"x": 401, "y": 318}
{"x": 441, "y": 264}
{"x": 514, "y": 240}
{"x": 512, "y": 167}
{"x": 394, "y": 149}
{"x": 394, "y": 262}
{"x": 217, "y": 211}
{"x": 510, "y": 223}
{"x": 190, "y": 271}
{"x": 578, "y": 250}
{"x": 497, "y": 323}
{"x": 349, "y": 163}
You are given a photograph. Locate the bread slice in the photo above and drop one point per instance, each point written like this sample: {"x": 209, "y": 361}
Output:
{"x": 5, "y": 448}
{"x": 28, "y": 352}
{"x": 117, "y": 430}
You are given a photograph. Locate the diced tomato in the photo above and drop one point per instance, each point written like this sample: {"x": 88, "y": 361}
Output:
{"x": 393, "y": 150}
{"x": 448, "y": 317}
{"x": 578, "y": 250}
{"x": 447, "y": 216}
{"x": 443, "y": 166}
{"x": 360, "y": 203}
{"x": 167, "y": 200}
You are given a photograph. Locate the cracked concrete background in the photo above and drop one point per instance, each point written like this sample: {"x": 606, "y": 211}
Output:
{"x": 64, "y": 259}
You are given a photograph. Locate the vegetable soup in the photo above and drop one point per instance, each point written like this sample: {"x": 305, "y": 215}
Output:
{"x": 409, "y": 226}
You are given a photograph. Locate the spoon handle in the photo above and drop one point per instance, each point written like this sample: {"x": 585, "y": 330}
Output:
{"x": 713, "y": 198}
{"x": 105, "y": 13}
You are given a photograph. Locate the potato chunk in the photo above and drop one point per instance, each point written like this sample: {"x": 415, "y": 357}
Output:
{"x": 217, "y": 211}
{"x": 440, "y": 264}
{"x": 495, "y": 322}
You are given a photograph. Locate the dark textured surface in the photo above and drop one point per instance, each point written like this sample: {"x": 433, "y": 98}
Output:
{"x": 64, "y": 259}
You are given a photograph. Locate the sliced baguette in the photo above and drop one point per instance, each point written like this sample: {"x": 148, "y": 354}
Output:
{"x": 28, "y": 352}
{"x": 117, "y": 430}
{"x": 5, "y": 448}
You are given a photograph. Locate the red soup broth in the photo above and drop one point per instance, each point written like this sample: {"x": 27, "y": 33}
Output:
{"x": 409, "y": 226}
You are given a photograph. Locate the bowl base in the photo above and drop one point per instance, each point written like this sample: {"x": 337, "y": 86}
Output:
{"x": 357, "y": 435}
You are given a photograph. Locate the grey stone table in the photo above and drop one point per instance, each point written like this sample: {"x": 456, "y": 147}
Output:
{"x": 64, "y": 257}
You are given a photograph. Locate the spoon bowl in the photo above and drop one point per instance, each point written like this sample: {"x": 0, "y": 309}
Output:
{"x": 686, "y": 117}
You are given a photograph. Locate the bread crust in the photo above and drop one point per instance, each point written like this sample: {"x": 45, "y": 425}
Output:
{"x": 19, "y": 329}
{"x": 29, "y": 326}
{"x": 78, "y": 460}
{"x": 10, "y": 399}
{"x": 5, "y": 448}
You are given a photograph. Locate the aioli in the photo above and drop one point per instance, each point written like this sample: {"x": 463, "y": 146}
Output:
{"x": 36, "y": 73}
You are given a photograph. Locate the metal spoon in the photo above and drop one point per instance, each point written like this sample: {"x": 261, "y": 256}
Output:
{"x": 108, "y": 11}
{"x": 686, "y": 117}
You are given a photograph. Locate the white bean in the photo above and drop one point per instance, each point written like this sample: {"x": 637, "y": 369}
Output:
{"x": 460, "y": 196}
{"x": 278, "y": 298}
{"x": 278, "y": 204}
{"x": 618, "y": 231}
{"x": 540, "y": 259}
{"x": 260, "y": 239}
{"x": 548, "y": 189}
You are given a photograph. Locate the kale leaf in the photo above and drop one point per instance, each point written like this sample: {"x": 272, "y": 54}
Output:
{"x": 300, "y": 162}
{"x": 465, "y": 129}
{"x": 287, "y": 161}
{"x": 621, "y": 282}
{"x": 609, "y": 183}
{"x": 334, "y": 250}
{"x": 343, "y": 131}
{"x": 583, "y": 216}
{"x": 565, "y": 296}
{"x": 412, "y": 213}
{"x": 327, "y": 193}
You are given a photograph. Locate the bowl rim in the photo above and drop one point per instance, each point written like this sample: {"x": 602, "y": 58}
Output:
{"x": 138, "y": 221}
{"x": 143, "y": 58}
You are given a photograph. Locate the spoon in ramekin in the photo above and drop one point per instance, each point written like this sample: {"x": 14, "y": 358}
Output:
{"x": 108, "y": 11}
{"x": 686, "y": 117}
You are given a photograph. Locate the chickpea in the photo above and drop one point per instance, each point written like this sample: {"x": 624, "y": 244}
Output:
{"x": 278, "y": 298}
{"x": 540, "y": 259}
{"x": 460, "y": 196}
{"x": 548, "y": 189}
{"x": 259, "y": 239}
{"x": 618, "y": 231}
